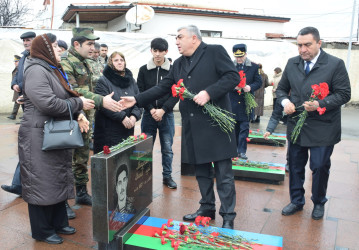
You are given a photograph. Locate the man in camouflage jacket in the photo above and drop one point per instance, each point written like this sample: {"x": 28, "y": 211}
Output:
{"x": 82, "y": 80}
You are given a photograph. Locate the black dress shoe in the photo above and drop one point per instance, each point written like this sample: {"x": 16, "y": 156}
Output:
{"x": 318, "y": 212}
{"x": 70, "y": 213}
{"x": 291, "y": 209}
{"x": 169, "y": 182}
{"x": 53, "y": 239}
{"x": 12, "y": 189}
{"x": 242, "y": 156}
{"x": 205, "y": 213}
{"x": 227, "y": 224}
{"x": 66, "y": 230}
{"x": 11, "y": 117}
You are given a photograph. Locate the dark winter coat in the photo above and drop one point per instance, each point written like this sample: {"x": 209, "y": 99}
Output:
{"x": 318, "y": 130}
{"x": 18, "y": 79}
{"x": 46, "y": 176}
{"x": 150, "y": 75}
{"x": 212, "y": 70}
{"x": 259, "y": 95}
{"x": 109, "y": 129}
{"x": 254, "y": 80}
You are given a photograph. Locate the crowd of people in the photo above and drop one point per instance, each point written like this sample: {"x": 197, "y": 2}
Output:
{"x": 107, "y": 101}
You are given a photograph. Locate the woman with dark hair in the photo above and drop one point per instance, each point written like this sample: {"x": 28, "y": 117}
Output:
{"x": 46, "y": 176}
{"x": 112, "y": 127}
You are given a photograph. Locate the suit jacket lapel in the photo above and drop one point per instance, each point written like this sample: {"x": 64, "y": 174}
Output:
{"x": 197, "y": 56}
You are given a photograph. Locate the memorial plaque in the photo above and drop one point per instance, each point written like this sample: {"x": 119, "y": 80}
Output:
{"x": 274, "y": 139}
{"x": 121, "y": 189}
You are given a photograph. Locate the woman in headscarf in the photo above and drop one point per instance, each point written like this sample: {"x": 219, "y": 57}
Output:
{"x": 46, "y": 176}
{"x": 112, "y": 127}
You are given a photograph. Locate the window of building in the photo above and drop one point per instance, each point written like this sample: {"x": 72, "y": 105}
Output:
{"x": 211, "y": 33}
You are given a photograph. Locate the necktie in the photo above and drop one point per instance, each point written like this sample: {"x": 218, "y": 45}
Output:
{"x": 307, "y": 69}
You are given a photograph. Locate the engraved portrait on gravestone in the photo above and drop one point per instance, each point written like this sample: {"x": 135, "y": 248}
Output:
{"x": 122, "y": 210}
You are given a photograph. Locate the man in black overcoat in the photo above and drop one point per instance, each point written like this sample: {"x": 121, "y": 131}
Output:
{"x": 207, "y": 71}
{"x": 319, "y": 133}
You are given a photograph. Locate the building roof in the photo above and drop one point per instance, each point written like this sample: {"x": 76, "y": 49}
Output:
{"x": 108, "y": 12}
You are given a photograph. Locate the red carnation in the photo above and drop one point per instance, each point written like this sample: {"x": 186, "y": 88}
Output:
{"x": 170, "y": 223}
{"x": 174, "y": 90}
{"x": 183, "y": 229}
{"x": 181, "y": 91}
{"x": 143, "y": 136}
{"x": 248, "y": 140}
{"x": 321, "y": 110}
{"x": 180, "y": 83}
{"x": 250, "y": 131}
{"x": 197, "y": 221}
{"x": 324, "y": 90}
{"x": 163, "y": 240}
{"x": 106, "y": 150}
{"x": 316, "y": 89}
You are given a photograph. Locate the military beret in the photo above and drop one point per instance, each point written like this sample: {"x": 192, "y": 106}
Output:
{"x": 16, "y": 58}
{"x": 84, "y": 32}
{"x": 239, "y": 49}
{"x": 29, "y": 34}
{"x": 62, "y": 44}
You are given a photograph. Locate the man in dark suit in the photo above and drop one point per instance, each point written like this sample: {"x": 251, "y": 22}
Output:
{"x": 208, "y": 71}
{"x": 253, "y": 82}
{"x": 319, "y": 133}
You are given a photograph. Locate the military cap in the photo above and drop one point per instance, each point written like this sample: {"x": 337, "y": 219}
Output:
{"x": 62, "y": 44}
{"x": 16, "y": 58}
{"x": 84, "y": 32}
{"x": 239, "y": 49}
{"x": 29, "y": 34}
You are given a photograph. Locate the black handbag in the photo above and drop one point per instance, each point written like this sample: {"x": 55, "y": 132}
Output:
{"x": 65, "y": 134}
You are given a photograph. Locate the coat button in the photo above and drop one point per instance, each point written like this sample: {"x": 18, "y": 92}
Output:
{"x": 189, "y": 77}
{"x": 191, "y": 114}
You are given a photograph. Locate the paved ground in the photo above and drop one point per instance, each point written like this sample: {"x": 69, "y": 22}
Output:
{"x": 258, "y": 204}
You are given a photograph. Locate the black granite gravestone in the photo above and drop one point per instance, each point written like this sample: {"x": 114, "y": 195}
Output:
{"x": 121, "y": 192}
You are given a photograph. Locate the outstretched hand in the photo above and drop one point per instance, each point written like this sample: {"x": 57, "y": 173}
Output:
{"x": 127, "y": 102}
{"x": 111, "y": 104}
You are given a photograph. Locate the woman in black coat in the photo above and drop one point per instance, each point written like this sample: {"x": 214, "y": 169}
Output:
{"x": 113, "y": 127}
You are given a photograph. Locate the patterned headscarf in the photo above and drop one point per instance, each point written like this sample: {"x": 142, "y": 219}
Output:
{"x": 42, "y": 48}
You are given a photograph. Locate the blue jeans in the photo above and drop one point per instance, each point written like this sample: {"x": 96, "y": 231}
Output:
{"x": 166, "y": 131}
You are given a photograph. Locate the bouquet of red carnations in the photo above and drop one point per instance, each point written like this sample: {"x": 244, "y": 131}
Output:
{"x": 221, "y": 116}
{"x": 248, "y": 96}
{"x": 199, "y": 235}
{"x": 319, "y": 92}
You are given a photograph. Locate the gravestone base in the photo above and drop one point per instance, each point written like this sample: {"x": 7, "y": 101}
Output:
{"x": 120, "y": 238}
{"x": 274, "y": 173}
{"x": 143, "y": 238}
{"x": 275, "y": 139}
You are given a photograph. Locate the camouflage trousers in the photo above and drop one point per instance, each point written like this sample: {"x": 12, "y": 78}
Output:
{"x": 80, "y": 158}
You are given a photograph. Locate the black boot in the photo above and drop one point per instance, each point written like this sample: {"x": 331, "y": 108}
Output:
{"x": 82, "y": 197}
{"x": 70, "y": 213}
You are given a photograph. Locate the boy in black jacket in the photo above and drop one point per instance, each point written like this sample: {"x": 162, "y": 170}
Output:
{"x": 159, "y": 114}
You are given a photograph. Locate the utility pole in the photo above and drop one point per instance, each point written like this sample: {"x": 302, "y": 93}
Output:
{"x": 350, "y": 38}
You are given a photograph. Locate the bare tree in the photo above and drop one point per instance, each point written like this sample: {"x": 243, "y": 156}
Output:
{"x": 12, "y": 12}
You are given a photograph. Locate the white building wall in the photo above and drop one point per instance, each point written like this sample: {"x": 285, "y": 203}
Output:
{"x": 168, "y": 24}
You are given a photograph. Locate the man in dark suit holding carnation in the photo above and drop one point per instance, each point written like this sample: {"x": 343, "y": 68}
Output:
{"x": 208, "y": 71}
{"x": 319, "y": 133}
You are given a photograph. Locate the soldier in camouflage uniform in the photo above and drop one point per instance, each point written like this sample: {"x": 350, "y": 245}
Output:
{"x": 96, "y": 68}
{"x": 82, "y": 80}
